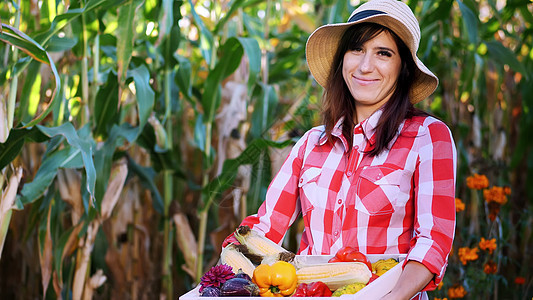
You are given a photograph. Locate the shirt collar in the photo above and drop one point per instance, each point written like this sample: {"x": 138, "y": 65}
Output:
{"x": 368, "y": 126}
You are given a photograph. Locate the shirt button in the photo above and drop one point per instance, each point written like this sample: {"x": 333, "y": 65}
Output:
{"x": 378, "y": 177}
{"x": 356, "y": 147}
{"x": 340, "y": 201}
{"x": 349, "y": 173}
{"x": 336, "y": 233}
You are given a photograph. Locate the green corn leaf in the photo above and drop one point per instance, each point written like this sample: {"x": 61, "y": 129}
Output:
{"x": 184, "y": 76}
{"x": 232, "y": 52}
{"x": 206, "y": 37}
{"x": 504, "y": 55}
{"x": 58, "y": 44}
{"x": 85, "y": 147}
{"x": 253, "y": 52}
{"x": 106, "y": 106}
{"x": 47, "y": 172}
{"x": 470, "y": 22}
{"x": 125, "y": 36}
{"x": 145, "y": 94}
{"x": 17, "y": 138}
{"x": 228, "y": 14}
{"x": 250, "y": 155}
{"x": 23, "y": 42}
{"x": 147, "y": 175}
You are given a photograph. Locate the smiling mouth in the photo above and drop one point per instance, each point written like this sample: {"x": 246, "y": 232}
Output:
{"x": 364, "y": 81}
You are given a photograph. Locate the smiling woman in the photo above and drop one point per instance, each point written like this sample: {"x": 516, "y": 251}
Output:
{"x": 370, "y": 70}
{"x": 379, "y": 176}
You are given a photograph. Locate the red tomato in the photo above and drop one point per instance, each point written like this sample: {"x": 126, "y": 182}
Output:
{"x": 334, "y": 259}
{"x": 374, "y": 277}
{"x": 360, "y": 257}
{"x": 341, "y": 254}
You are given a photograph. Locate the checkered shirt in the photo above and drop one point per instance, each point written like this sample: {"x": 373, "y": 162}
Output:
{"x": 399, "y": 202}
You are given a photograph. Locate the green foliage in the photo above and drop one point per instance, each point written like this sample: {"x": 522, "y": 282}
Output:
{"x": 198, "y": 100}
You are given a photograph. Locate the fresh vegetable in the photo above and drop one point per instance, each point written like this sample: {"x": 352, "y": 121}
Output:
{"x": 275, "y": 280}
{"x": 237, "y": 287}
{"x": 314, "y": 289}
{"x": 216, "y": 276}
{"x": 241, "y": 274}
{"x": 348, "y": 253}
{"x": 349, "y": 289}
{"x": 334, "y": 275}
{"x": 210, "y": 291}
{"x": 258, "y": 244}
{"x": 383, "y": 265}
{"x": 234, "y": 258}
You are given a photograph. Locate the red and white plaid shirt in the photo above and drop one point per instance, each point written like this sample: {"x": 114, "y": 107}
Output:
{"x": 401, "y": 201}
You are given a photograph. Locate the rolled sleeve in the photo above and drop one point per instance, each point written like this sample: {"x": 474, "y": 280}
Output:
{"x": 434, "y": 191}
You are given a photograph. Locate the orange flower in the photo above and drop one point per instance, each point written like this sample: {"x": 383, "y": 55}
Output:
{"x": 507, "y": 190}
{"x": 519, "y": 280}
{"x": 468, "y": 254}
{"x": 440, "y": 298}
{"x": 477, "y": 182}
{"x": 456, "y": 292}
{"x": 459, "y": 205}
{"x": 495, "y": 194}
{"x": 439, "y": 286}
{"x": 490, "y": 267}
{"x": 487, "y": 245}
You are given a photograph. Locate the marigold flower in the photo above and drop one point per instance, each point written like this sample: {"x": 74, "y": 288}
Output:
{"x": 495, "y": 194}
{"x": 456, "y": 292}
{"x": 477, "y": 182}
{"x": 468, "y": 254}
{"x": 439, "y": 286}
{"x": 519, "y": 280}
{"x": 487, "y": 245}
{"x": 490, "y": 267}
{"x": 459, "y": 205}
{"x": 494, "y": 210}
{"x": 507, "y": 190}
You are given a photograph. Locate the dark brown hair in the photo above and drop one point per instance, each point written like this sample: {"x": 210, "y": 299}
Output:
{"x": 338, "y": 101}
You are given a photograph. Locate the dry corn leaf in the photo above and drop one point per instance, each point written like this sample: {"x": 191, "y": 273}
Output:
{"x": 95, "y": 282}
{"x": 232, "y": 113}
{"x": 119, "y": 172}
{"x": 186, "y": 243}
{"x": 45, "y": 254}
{"x": 82, "y": 260}
{"x": 4, "y": 128}
{"x": 7, "y": 201}
{"x": 69, "y": 184}
{"x": 9, "y": 194}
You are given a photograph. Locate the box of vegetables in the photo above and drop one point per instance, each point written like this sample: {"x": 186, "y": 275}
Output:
{"x": 258, "y": 267}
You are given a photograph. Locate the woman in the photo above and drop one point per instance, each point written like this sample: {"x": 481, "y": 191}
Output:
{"x": 379, "y": 175}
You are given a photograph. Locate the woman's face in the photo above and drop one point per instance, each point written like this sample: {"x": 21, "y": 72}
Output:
{"x": 371, "y": 72}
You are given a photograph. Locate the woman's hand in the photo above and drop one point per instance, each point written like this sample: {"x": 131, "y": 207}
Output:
{"x": 415, "y": 276}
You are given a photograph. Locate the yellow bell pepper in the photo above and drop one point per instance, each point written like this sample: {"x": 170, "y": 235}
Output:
{"x": 275, "y": 280}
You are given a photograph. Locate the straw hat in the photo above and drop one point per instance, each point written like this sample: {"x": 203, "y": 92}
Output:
{"x": 395, "y": 15}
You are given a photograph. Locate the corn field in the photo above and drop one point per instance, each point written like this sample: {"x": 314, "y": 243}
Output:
{"x": 135, "y": 135}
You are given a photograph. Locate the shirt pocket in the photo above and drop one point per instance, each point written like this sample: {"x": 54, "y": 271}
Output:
{"x": 378, "y": 189}
{"x": 308, "y": 185}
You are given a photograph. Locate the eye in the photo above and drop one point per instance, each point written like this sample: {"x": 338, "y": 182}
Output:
{"x": 357, "y": 49}
{"x": 385, "y": 53}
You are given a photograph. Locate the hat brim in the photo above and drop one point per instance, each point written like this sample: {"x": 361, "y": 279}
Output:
{"x": 323, "y": 43}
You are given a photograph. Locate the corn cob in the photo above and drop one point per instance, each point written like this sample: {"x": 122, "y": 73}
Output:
{"x": 235, "y": 259}
{"x": 335, "y": 275}
{"x": 257, "y": 244}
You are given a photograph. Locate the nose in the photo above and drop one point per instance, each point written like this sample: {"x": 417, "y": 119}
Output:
{"x": 366, "y": 64}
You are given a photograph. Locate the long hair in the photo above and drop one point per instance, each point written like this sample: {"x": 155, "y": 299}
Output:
{"x": 338, "y": 101}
